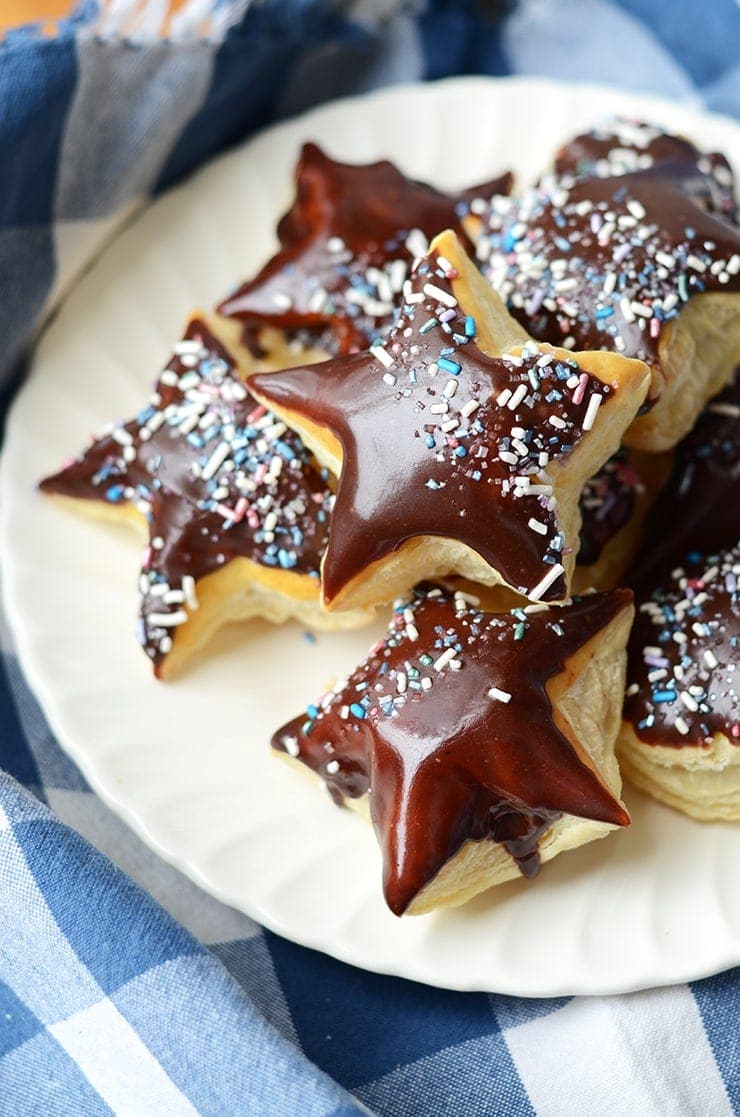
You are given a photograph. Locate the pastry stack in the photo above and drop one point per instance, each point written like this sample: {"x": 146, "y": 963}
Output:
{"x": 508, "y": 422}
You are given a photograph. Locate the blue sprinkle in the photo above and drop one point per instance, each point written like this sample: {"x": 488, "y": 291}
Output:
{"x": 470, "y": 326}
{"x": 430, "y": 441}
{"x": 449, "y": 366}
{"x": 114, "y": 493}
{"x": 357, "y": 710}
{"x": 461, "y": 452}
{"x": 312, "y": 711}
{"x": 604, "y": 312}
{"x": 309, "y": 637}
{"x": 664, "y": 696}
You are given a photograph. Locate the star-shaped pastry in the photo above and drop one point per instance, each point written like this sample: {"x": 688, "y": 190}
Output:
{"x": 346, "y": 247}
{"x": 237, "y": 511}
{"x": 620, "y": 146}
{"x": 484, "y": 743}
{"x": 634, "y": 263}
{"x": 454, "y": 456}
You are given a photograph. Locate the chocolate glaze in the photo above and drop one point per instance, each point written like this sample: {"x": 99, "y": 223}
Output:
{"x": 444, "y": 761}
{"x": 200, "y": 409}
{"x": 621, "y": 146}
{"x": 345, "y": 250}
{"x": 699, "y": 505}
{"x": 404, "y": 475}
{"x": 577, "y": 278}
{"x": 607, "y": 503}
{"x": 683, "y": 684}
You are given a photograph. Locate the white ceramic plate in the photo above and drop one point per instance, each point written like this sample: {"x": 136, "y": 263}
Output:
{"x": 188, "y": 764}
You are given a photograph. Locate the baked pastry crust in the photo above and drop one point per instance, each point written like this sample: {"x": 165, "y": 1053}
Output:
{"x": 680, "y": 739}
{"x": 233, "y": 511}
{"x": 346, "y": 247}
{"x": 640, "y": 263}
{"x": 392, "y": 453}
{"x": 478, "y": 802}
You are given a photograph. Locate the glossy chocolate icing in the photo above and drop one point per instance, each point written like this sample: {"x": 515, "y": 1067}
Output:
{"x": 684, "y": 654}
{"x": 605, "y": 263}
{"x": 621, "y": 146}
{"x": 699, "y": 505}
{"x": 607, "y": 503}
{"x": 444, "y": 759}
{"x": 217, "y": 478}
{"x": 346, "y": 246}
{"x": 433, "y": 446}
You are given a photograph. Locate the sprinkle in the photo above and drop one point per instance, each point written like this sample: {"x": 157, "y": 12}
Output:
{"x": 450, "y": 388}
{"x": 471, "y": 406}
{"x": 441, "y": 296}
{"x": 593, "y": 406}
{"x": 499, "y": 695}
{"x": 216, "y": 460}
{"x": 357, "y": 710}
{"x": 544, "y": 584}
{"x": 451, "y": 367}
{"x": 382, "y": 355}
{"x": 517, "y": 396}
{"x": 167, "y": 620}
{"x": 188, "y": 589}
{"x": 447, "y": 656}
{"x": 538, "y": 526}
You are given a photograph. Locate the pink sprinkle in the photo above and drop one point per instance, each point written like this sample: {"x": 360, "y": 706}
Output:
{"x": 580, "y": 391}
{"x": 654, "y": 327}
{"x": 735, "y": 731}
{"x": 253, "y": 519}
{"x": 256, "y": 414}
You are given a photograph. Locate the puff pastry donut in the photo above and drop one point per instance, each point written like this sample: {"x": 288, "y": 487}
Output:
{"x": 235, "y": 510}
{"x": 680, "y": 739}
{"x": 346, "y": 247}
{"x": 460, "y": 445}
{"x": 481, "y": 744}
{"x": 639, "y": 263}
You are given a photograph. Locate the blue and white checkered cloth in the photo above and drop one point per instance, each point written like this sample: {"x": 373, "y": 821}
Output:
{"x": 149, "y": 997}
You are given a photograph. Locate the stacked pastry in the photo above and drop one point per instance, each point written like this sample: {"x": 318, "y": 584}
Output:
{"x": 478, "y": 412}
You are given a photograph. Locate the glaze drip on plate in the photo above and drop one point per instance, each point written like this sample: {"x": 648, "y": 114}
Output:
{"x": 440, "y": 439}
{"x": 216, "y": 476}
{"x": 346, "y": 247}
{"x": 449, "y": 726}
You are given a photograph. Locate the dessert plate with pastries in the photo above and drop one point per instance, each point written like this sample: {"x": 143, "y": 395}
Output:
{"x": 371, "y": 534}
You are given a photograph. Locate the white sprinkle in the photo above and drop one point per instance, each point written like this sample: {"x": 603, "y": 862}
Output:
{"x": 435, "y": 292}
{"x": 173, "y": 597}
{"x": 471, "y": 406}
{"x": 389, "y": 379}
{"x": 593, "y": 406}
{"x": 426, "y": 683}
{"x": 681, "y": 725}
{"x": 507, "y": 457}
{"x": 291, "y": 746}
{"x": 626, "y": 307}
{"x": 710, "y": 658}
{"x": 412, "y": 631}
{"x": 270, "y": 521}
{"x": 696, "y": 264}
{"x": 636, "y": 209}
{"x": 417, "y": 243}
{"x": 689, "y": 702}
{"x": 450, "y": 388}
{"x": 188, "y": 588}
{"x": 332, "y": 768}
{"x": 503, "y": 397}
{"x": 556, "y": 421}
{"x": 282, "y": 301}
{"x": 122, "y": 436}
{"x": 167, "y": 620}
{"x": 447, "y": 656}
{"x": 455, "y": 664}
{"x": 665, "y": 259}
{"x": 401, "y": 682}
{"x": 518, "y": 395}
{"x": 382, "y": 355}
{"x": 216, "y": 460}
{"x": 632, "y": 689}
{"x": 157, "y": 543}
{"x": 499, "y": 695}
{"x": 538, "y": 607}
{"x": 542, "y": 586}
{"x": 538, "y": 526}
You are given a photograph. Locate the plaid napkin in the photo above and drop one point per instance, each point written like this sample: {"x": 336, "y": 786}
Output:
{"x": 150, "y": 997}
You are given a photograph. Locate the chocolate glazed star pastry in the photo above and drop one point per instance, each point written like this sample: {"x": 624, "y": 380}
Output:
{"x": 480, "y": 743}
{"x": 346, "y": 247}
{"x": 454, "y": 455}
{"x": 680, "y": 739}
{"x": 235, "y": 508}
{"x": 637, "y": 264}
{"x": 620, "y": 146}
